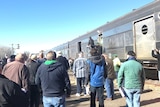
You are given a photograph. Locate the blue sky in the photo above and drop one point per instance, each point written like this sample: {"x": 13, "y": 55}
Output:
{"x": 43, "y": 24}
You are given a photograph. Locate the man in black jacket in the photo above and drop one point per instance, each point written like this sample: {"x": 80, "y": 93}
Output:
{"x": 11, "y": 94}
{"x": 91, "y": 42}
{"x": 156, "y": 54}
{"x": 54, "y": 80}
{"x": 63, "y": 60}
{"x": 34, "y": 89}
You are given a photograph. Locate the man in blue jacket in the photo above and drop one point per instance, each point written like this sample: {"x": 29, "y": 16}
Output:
{"x": 54, "y": 80}
{"x": 97, "y": 72}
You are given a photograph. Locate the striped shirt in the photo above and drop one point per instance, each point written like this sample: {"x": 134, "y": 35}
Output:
{"x": 80, "y": 67}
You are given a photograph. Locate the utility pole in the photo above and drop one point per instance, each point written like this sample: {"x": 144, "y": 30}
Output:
{"x": 14, "y": 47}
{"x": 18, "y": 46}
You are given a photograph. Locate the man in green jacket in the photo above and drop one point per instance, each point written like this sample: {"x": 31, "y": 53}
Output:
{"x": 132, "y": 74}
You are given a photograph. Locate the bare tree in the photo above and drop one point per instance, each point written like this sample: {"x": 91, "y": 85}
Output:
{"x": 4, "y": 50}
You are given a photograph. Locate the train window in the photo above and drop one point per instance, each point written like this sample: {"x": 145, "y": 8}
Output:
{"x": 129, "y": 48}
{"x": 144, "y": 29}
{"x": 158, "y": 45}
{"x": 79, "y": 47}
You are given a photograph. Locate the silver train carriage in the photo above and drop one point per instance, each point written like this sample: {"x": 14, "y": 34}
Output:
{"x": 138, "y": 30}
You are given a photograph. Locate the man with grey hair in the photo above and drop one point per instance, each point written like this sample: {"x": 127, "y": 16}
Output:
{"x": 54, "y": 81}
{"x": 17, "y": 71}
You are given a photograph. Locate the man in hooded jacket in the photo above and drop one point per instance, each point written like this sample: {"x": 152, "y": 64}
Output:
{"x": 97, "y": 74}
{"x": 54, "y": 80}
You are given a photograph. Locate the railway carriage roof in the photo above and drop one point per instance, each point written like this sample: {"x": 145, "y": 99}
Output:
{"x": 143, "y": 11}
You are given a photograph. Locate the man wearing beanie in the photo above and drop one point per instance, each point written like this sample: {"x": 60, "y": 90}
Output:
{"x": 131, "y": 73}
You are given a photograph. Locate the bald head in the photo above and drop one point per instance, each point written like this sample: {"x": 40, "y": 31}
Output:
{"x": 105, "y": 55}
{"x": 51, "y": 55}
{"x": 21, "y": 57}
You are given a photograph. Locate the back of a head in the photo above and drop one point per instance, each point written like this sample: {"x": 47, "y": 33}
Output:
{"x": 131, "y": 53}
{"x": 115, "y": 55}
{"x": 33, "y": 57}
{"x": 80, "y": 54}
{"x": 12, "y": 57}
{"x": 21, "y": 57}
{"x": 105, "y": 56}
{"x": 51, "y": 55}
{"x": 93, "y": 52}
{"x": 41, "y": 55}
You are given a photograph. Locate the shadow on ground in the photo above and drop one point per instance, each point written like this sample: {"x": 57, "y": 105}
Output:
{"x": 76, "y": 102}
{"x": 147, "y": 102}
{"x": 146, "y": 91}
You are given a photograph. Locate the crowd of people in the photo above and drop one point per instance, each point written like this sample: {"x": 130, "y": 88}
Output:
{"x": 25, "y": 81}
{"x": 99, "y": 71}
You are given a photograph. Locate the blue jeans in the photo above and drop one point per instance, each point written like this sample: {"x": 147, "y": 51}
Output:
{"x": 100, "y": 92}
{"x": 80, "y": 85}
{"x": 109, "y": 86}
{"x": 133, "y": 97}
{"x": 54, "y": 101}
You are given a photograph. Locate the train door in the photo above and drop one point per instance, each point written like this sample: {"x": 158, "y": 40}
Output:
{"x": 144, "y": 37}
